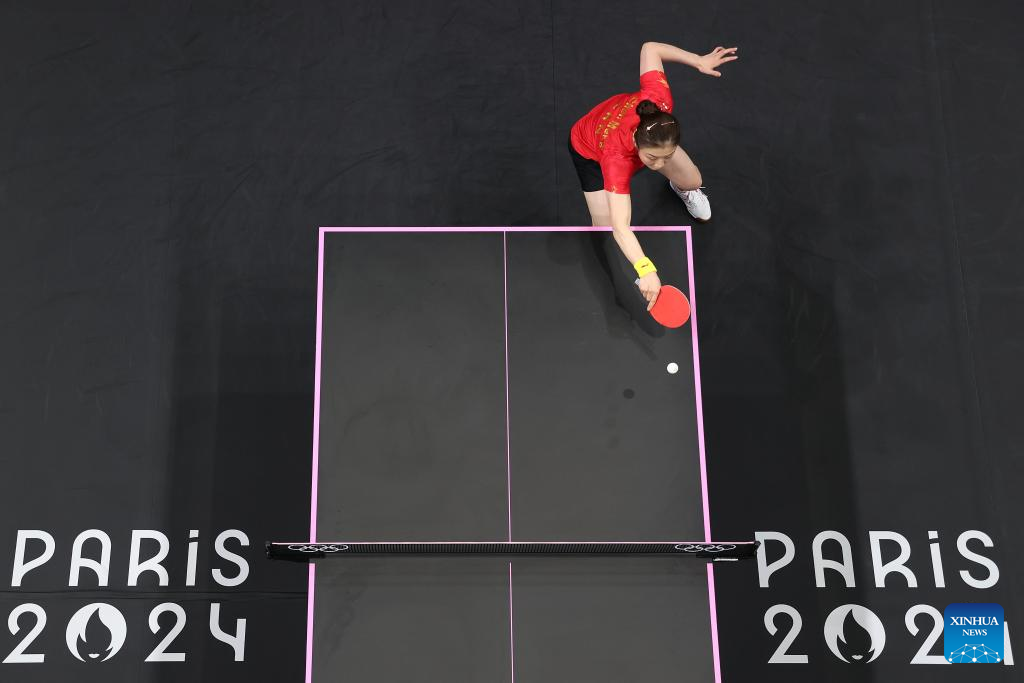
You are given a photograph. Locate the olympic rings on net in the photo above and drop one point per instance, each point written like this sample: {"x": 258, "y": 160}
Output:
{"x": 709, "y": 548}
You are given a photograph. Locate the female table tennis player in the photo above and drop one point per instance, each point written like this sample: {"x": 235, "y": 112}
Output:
{"x": 629, "y": 131}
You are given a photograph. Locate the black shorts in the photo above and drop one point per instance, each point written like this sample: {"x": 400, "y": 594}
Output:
{"x": 589, "y": 171}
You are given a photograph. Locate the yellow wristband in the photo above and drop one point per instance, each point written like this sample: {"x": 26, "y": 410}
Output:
{"x": 644, "y": 266}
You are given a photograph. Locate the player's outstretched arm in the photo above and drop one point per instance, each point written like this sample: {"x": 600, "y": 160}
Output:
{"x": 621, "y": 207}
{"x": 654, "y": 55}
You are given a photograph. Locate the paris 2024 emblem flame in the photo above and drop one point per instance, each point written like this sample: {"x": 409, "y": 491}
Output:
{"x": 854, "y": 634}
{"x": 96, "y": 632}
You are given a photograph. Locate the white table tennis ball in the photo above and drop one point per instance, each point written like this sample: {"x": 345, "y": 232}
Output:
{"x": 672, "y": 368}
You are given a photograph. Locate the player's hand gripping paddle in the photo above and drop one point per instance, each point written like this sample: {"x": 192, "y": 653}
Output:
{"x": 671, "y": 308}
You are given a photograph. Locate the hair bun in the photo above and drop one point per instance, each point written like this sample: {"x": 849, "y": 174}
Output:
{"x": 647, "y": 107}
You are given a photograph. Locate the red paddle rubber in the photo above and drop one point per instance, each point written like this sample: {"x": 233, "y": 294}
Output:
{"x": 671, "y": 308}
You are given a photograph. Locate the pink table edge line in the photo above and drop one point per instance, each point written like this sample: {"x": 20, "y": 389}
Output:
{"x": 696, "y": 370}
{"x": 315, "y": 473}
{"x": 511, "y": 627}
{"x": 521, "y": 228}
{"x": 712, "y": 603}
{"x": 508, "y": 415}
{"x": 508, "y": 460}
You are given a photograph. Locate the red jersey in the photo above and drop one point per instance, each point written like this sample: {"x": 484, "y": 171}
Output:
{"x": 606, "y": 133}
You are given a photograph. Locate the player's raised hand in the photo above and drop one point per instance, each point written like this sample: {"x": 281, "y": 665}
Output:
{"x": 709, "y": 63}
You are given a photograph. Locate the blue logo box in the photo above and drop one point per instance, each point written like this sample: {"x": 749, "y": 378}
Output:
{"x": 973, "y": 633}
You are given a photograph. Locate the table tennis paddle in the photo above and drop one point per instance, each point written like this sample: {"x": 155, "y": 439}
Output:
{"x": 671, "y": 308}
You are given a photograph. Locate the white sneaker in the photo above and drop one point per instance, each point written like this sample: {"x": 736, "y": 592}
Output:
{"x": 696, "y": 202}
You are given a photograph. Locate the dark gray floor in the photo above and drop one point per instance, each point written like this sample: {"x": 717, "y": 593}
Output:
{"x": 165, "y": 166}
{"x": 602, "y": 446}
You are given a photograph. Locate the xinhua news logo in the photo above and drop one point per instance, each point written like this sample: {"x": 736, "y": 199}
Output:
{"x": 973, "y": 633}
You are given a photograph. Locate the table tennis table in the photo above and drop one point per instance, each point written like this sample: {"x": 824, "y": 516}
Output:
{"x": 514, "y": 484}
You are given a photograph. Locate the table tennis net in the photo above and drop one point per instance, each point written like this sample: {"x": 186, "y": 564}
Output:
{"x": 305, "y": 551}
